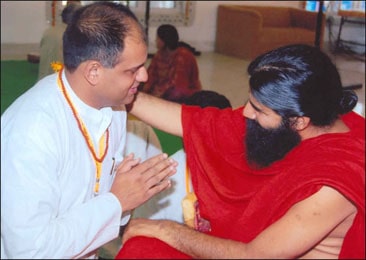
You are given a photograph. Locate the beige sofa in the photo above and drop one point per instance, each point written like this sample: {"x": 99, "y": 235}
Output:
{"x": 247, "y": 31}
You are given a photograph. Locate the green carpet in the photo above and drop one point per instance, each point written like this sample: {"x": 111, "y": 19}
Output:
{"x": 16, "y": 77}
{"x": 169, "y": 143}
{"x": 19, "y": 76}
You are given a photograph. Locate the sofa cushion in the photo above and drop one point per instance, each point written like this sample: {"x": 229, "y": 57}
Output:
{"x": 272, "y": 17}
{"x": 285, "y": 35}
{"x": 246, "y": 31}
{"x": 272, "y": 37}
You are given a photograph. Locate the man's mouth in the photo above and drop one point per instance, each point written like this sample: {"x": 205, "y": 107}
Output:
{"x": 133, "y": 90}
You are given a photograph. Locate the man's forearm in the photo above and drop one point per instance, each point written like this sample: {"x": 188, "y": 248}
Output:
{"x": 197, "y": 244}
{"x": 158, "y": 113}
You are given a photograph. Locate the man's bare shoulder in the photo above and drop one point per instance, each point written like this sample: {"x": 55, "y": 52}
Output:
{"x": 340, "y": 214}
{"x": 331, "y": 245}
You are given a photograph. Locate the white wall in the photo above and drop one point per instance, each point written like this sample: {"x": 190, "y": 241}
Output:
{"x": 23, "y": 22}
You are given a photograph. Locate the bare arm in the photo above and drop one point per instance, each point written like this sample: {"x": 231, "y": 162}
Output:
{"x": 301, "y": 229}
{"x": 159, "y": 113}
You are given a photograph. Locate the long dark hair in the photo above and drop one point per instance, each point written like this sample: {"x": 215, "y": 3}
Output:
{"x": 169, "y": 35}
{"x": 300, "y": 80}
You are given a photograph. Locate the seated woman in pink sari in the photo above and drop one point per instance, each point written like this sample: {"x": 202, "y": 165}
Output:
{"x": 173, "y": 71}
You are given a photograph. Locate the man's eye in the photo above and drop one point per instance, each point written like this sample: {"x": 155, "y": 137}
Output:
{"x": 133, "y": 71}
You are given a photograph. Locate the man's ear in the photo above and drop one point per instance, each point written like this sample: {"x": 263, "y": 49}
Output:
{"x": 300, "y": 123}
{"x": 92, "y": 72}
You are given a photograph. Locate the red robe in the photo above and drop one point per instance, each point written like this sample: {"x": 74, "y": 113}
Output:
{"x": 239, "y": 202}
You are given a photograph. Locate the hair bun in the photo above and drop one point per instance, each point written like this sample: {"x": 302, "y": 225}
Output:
{"x": 348, "y": 101}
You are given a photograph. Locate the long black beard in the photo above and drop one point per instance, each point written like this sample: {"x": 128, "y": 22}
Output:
{"x": 265, "y": 146}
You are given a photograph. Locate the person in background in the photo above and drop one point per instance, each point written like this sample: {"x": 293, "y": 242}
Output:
{"x": 173, "y": 71}
{"x": 208, "y": 98}
{"x": 51, "y": 42}
{"x": 167, "y": 204}
{"x": 64, "y": 191}
{"x": 281, "y": 177}
{"x": 141, "y": 140}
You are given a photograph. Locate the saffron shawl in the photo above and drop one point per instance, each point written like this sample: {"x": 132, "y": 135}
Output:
{"x": 240, "y": 202}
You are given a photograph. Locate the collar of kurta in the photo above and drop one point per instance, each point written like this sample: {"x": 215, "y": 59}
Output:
{"x": 96, "y": 120}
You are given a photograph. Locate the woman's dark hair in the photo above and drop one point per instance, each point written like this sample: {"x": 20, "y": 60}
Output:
{"x": 97, "y": 32}
{"x": 169, "y": 35}
{"x": 300, "y": 80}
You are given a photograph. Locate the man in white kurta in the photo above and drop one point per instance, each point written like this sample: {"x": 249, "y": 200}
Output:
{"x": 62, "y": 140}
{"x": 37, "y": 164}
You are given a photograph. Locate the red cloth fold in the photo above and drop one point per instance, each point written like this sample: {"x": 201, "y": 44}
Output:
{"x": 240, "y": 203}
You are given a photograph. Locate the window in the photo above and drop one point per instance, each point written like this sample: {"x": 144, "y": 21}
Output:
{"x": 334, "y": 6}
{"x": 173, "y": 12}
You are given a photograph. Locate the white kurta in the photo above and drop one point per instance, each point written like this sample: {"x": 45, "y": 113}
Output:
{"x": 48, "y": 207}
